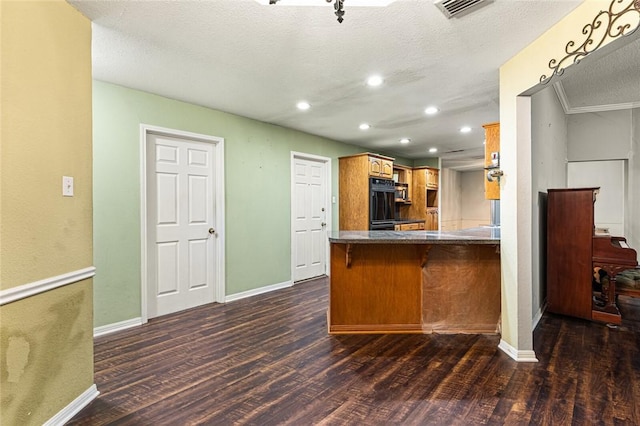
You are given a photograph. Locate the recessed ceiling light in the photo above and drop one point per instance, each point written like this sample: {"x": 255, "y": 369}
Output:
{"x": 302, "y": 105}
{"x": 374, "y": 80}
{"x": 405, "y": 140}
{"x": 432, "y": 150}
{"x": 365, "y": 126}
{"x": 431, "y": 110}
{"x": 465, "y": 129}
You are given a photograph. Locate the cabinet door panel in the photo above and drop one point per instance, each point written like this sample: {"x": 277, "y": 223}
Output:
{"x": 375, "y": 166}
{"x": 386, "y": 169}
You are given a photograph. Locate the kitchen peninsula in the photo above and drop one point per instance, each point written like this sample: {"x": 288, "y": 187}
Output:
{"x": 415, "y": 281}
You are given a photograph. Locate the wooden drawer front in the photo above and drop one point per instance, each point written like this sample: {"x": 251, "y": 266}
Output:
{"x": 410, "y": 226}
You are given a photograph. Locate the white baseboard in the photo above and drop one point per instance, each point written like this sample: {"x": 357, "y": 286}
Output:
{"x": 258, "y": 291}
{"x": 118, "y": 326}
{"x": 74, "y": 407}
{"x": 520, "y": 356}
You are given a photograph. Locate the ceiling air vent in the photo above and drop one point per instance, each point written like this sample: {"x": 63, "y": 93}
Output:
{"x": 452, "y": 8}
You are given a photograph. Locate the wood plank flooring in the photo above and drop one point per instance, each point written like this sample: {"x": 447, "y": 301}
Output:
{"x": 268, "y": 360}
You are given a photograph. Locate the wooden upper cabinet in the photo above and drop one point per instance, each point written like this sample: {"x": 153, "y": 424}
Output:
{"x": 432, "y": 178}
{"x": 425, "y": 196}
{"x": 492, "y": 144}
{"x": 409, "y": 174}
{"x": 405, "y": 176}
{"x": 381, "y": 167}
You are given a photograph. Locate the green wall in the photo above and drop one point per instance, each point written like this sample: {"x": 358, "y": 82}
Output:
{"x": 257, "y": 177}
{"x": 427, "y": 162}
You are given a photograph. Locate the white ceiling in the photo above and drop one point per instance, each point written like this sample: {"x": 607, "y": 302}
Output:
{"x": 611, "y": 82}
{"x": 258, "y": 61}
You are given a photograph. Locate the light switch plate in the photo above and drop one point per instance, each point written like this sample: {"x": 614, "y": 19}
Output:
{"x": 67, "y": 186}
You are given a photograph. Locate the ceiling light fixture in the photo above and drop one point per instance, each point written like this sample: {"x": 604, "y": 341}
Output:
{"x": 431, "y": 110}
{"x": 465, "y": 129}
{"x": 405, "y": 140}
{"x": 374, "y": 81}
{"x": 365, "y": 126}
{"x": 303, "y": 105}
{"x": 432, "y": 150}
{"x": 337, "y": 4}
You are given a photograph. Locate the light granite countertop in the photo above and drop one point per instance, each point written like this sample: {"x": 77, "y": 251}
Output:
{"x": 481, "y": 235}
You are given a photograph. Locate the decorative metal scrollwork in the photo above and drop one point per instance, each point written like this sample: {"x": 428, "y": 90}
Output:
{"x": 618, "y": 20}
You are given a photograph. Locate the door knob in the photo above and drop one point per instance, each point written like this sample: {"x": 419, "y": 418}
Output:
{"x": 212, "y": 231}
{"x": 323, "y": 224}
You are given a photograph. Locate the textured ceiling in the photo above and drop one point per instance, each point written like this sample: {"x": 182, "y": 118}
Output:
{"x": 608, "y": 83}
{"x": 259, "y": 61}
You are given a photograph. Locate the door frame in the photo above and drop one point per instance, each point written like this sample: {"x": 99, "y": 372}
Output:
{"x": 327, "y": 182}
{"x": 218, "y": 171}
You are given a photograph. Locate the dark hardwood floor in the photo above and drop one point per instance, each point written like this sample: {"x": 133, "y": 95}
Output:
{"x": 268, "y": 360}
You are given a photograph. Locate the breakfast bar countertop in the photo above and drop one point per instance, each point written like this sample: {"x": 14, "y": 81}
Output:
{"x": 480, "y": 235}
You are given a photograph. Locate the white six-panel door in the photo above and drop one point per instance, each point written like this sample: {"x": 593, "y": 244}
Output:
{"x": 309, "y": 213}
{"x": 181, "y": 218}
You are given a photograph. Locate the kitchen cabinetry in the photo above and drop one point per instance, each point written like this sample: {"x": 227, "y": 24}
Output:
{"x": 432, "y": 178}
{"x": 492, "y": 145}
{"x": 432, "y": 219}
{"x": 425, "y": 196}
{"x": 404, "y": 175}
{"x": 394, "y": 284}
{"x": 418, "y": 226}
{"x": 354, "y": 174}
{"x": 418, "y": 211}
{"x": 380, "y": 166}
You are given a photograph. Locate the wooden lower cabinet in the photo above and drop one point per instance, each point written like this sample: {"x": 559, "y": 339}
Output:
{"x": 432, "y": 220}
{"x": 410, "y": 226}
{"x": 379, "y": 292}
{"x": 414, "y": 288}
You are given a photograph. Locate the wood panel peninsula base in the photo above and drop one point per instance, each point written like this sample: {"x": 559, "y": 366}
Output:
{"x": 415, "y": 281}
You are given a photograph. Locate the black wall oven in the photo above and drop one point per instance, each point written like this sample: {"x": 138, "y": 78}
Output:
{"x": 381, "y": 204}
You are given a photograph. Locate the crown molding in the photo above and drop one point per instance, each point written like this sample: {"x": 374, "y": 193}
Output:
{"x": 568, "y": 109}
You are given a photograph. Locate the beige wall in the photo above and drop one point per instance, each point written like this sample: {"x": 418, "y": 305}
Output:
{"x": 522, "y": 74}
{"x": 46, "y": 340}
